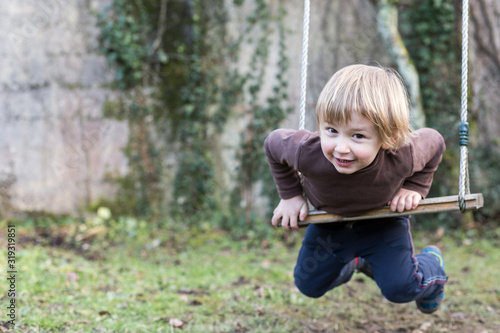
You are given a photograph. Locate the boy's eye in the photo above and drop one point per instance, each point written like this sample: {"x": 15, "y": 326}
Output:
{"x": 359, "y": 136}
{"x": 331, "y": 130}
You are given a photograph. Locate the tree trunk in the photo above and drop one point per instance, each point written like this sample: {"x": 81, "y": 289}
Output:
{"x": 484, "y": 104}
{"x": 484, "y": 66}
{"x": 387, "y": 25}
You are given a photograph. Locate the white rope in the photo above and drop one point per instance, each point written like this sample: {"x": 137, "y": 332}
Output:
{"x": 465, "y": 64}
{"x": 303, "y": 74}
{"x": 464, "y": 176}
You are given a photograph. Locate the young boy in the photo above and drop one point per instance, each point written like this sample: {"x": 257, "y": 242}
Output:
{"x": 363, "y": 157}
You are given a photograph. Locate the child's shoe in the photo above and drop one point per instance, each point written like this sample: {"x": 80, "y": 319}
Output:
{"x": 431, "y": 304}
{"x": 364, "y": 267}
{"x": 356, "y": 264}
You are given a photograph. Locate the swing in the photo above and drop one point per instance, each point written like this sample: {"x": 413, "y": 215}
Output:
{"x": 462, "y": 202}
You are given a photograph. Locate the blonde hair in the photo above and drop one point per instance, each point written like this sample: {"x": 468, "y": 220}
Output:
{"x": 376, "y": 93}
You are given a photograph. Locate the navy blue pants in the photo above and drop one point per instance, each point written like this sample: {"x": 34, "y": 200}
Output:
{"x": 386, "y": 244}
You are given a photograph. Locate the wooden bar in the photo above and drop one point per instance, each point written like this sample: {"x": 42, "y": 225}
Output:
{"x": 426, "y": 206}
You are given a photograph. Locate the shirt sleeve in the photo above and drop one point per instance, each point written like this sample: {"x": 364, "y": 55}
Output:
{"x": 282, "y": 148}
{"x": 427, "y": 149}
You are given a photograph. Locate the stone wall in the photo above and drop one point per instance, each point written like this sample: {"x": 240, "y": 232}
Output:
{"x": 484, "y": 71}
{"x": 55, "y": 148}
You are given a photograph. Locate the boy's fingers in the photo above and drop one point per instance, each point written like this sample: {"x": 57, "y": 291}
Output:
{"x": 409, "y": 204}
{"x": 394, "y": 204}
{"x": 285, "y": 221}
{"x": 275, "y": 220}
{"x": 401, "y": 205}
{"x": 404, "y": 203}
{"x": 416, "y": 201}
{"x": 293, "y": 222}
{"x": 303, "y": 212}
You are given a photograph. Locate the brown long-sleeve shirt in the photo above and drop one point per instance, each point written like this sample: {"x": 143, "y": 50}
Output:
{"x": 411, "y": 167}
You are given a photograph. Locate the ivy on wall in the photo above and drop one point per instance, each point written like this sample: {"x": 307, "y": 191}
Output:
{"x": 263, "y": 116}
{"x": 175, "y": 64}
{"x": 201, "y": 117}
{"x": 431, "y": 33}
{"x": 127, "y": 41}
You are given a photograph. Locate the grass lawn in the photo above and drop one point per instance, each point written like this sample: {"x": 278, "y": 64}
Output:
{"x": 205, "y": 281}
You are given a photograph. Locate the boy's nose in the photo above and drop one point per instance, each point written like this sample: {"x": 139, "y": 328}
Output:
{"x": 342, "y": 147}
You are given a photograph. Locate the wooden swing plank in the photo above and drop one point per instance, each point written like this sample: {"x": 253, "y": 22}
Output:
{"x": 426, "y": 206}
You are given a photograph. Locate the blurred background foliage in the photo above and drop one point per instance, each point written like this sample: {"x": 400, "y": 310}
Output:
{"x": 180, "y": 74}
{"x": 177, "y": 70}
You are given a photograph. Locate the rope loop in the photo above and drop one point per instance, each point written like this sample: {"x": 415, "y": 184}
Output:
{"x": 462, "y": 204}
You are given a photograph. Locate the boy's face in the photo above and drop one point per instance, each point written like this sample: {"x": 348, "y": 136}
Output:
{"x": 350, "y": 147}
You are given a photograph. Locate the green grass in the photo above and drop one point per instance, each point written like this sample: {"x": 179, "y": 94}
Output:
{"x": 213, "y": 283}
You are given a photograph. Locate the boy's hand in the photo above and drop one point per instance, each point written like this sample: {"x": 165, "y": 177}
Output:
{"x": 289, "y": 211}
{"x": 405, "y": 200}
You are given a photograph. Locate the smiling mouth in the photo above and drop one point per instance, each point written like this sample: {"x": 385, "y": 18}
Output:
{"x": 343, "y": 163}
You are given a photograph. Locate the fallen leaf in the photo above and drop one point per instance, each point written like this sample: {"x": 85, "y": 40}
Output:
{"x": 100, "y": 229}
{"x": 459, "y": 315}
{"x": 177, "y": 323}
{"x": 490, "y": 309}
{"x": 425, "y": 326}
{"x": 104, "y": 313}
{"x": 260, "y": 311}
{"x": 479, "y": 253}
{"x": 467, "y": 242}
{"x": 439, "y": 233}
{"x": 260, "y": 292}
{"x": 316, "y": 328}
{"x": 72, "y": 277}
{"x": 375, "y": 328}
{"x": 266, "y": 264}
{"x": 240, "y": 329}
{"x": 191, "y": 292}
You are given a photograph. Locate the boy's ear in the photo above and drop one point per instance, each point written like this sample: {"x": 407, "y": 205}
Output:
{"x": 384, "y": 146}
